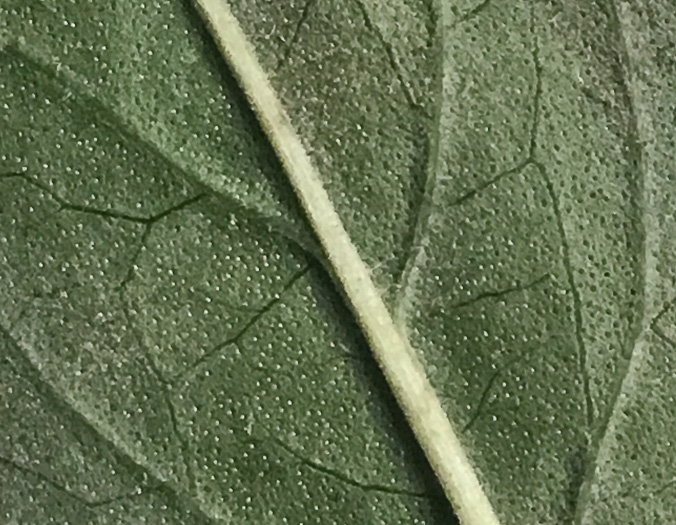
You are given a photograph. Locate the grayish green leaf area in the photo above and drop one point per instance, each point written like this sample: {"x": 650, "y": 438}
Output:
{"x": 515, "y": 161}
{"x": 169, "y": 354}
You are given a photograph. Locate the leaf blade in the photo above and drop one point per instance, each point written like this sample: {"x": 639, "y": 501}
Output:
{"x": 111, "y": 343}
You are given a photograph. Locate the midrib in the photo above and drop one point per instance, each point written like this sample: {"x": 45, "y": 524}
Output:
{"x": 392, "y": 350}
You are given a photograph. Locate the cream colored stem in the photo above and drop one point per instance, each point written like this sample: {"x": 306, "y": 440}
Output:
{"x": 398, "y": 361}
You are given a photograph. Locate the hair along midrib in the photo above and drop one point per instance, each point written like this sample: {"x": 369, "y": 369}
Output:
{"x": 398, "y": 361}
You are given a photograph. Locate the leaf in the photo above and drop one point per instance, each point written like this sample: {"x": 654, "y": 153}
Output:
{"x": 503, "y": 169}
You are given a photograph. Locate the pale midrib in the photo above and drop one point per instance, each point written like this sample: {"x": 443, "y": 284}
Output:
{"x": 392, "y": 350}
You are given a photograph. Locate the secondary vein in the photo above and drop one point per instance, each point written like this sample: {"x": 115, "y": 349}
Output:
{"x": 416, "y": 251}
{"x": 644, "y": 270}
{"x": 392, "y": 349}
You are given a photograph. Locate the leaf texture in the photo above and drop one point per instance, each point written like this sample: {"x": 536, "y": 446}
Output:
{"x": 505, "y": 170}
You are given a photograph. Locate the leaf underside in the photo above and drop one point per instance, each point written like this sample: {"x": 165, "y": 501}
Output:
{"x": 172, "y": 347}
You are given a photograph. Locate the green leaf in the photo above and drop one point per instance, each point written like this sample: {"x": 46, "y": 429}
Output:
{"x": 173, "y": 349}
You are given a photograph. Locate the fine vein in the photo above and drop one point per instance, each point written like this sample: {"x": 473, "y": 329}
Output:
{"x": 392, "y": 350}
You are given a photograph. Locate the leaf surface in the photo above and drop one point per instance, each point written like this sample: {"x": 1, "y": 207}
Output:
{"x": 539, "y": 266}
{"x": 180, "y": 331}
{"x": 504, "y": 170}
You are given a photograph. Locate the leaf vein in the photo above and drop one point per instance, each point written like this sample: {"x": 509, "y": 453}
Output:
{"x": 234, "y": 339}
{"x": 346, "y": 479}
{"x": 80, "y": 498}
{"x": 393, "y": 59}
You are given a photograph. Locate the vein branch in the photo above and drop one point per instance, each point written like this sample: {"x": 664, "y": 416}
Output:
{"x": 582, "y": 351}
{"x": 108, "y": 118}
{"x": 634, "y": 152}
{"x": 166, "y": 397}
{"x": 108, "y": 213}
{"x": 486, "y": 392}
{"x": 395, "y": 63}
{"x": 328, "y": 471}
{"x": 473, "y": 12}
{"x": 496, "y": 294}
{"x": 302, "y": 18}
{"x": 662, "y": 313}
{"x": 234, "y": 339}
{"x": 426, "y": 205}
